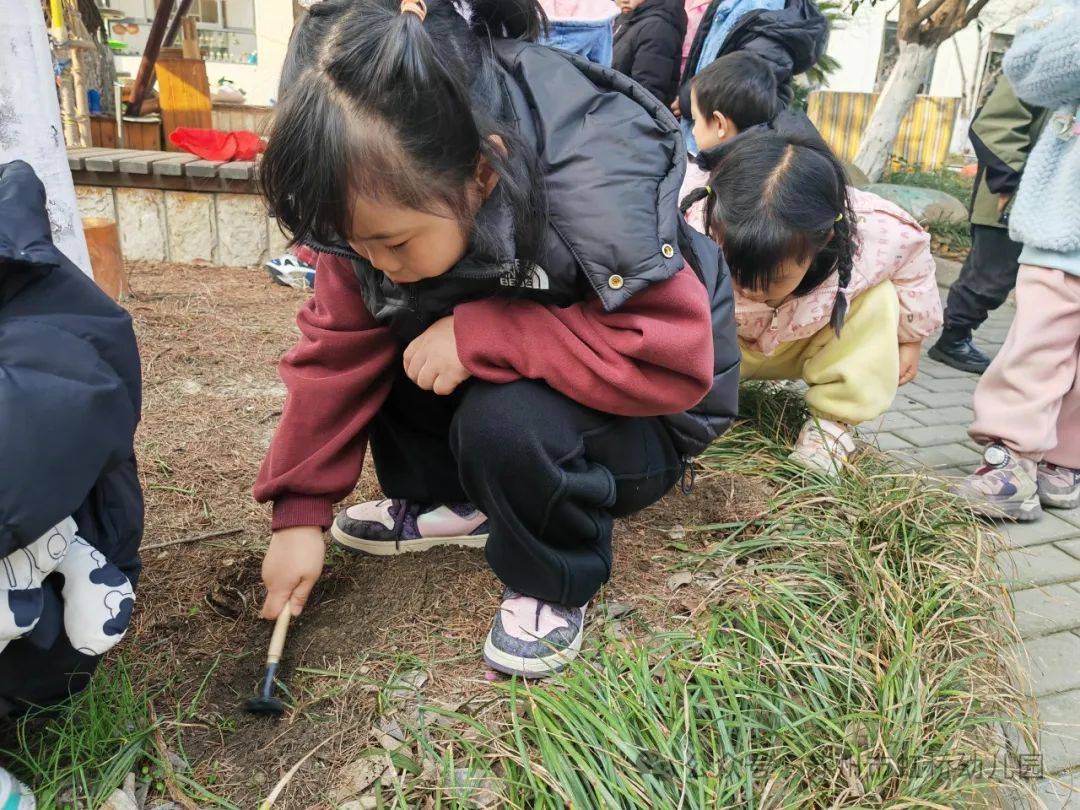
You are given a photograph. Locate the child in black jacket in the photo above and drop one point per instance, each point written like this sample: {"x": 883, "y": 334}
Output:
{"x": 71, "y": 510}
{"x": 648, "y": 44}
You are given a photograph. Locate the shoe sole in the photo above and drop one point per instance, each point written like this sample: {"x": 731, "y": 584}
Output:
{"x": 533, "y": 668}
{"x": 1070, "y": 501}
{"x": 941, "y": 357}
{"x": 1026, "y": 511}
{"x": 388, "y": 548}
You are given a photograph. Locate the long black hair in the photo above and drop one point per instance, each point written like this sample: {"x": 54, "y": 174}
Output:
{"x": 398, "y": 106}
{"x": 773, "y": 197}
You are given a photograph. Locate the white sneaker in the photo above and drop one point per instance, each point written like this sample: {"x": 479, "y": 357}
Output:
{"x": 14, "y": 795}
{"x": 823, "y": 446}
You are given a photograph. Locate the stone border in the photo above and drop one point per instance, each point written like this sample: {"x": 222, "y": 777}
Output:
{"x": 217, "y": 228}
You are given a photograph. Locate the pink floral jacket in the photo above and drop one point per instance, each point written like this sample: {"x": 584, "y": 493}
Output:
{"x": 892, "y": 247}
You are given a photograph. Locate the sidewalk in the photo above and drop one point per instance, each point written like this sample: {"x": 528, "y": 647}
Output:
{"x": 927, "y": 425}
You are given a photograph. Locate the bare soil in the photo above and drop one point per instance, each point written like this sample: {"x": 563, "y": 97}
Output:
{"x": 210, "y": 340}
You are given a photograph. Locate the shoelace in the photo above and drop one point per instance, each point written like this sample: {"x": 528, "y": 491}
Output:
{"x": 510, "y": 593}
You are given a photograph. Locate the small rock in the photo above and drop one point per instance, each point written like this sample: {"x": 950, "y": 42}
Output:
{"x": 482, "y": 791}
{"x": 120, "y": 800}
{"x": 179, "y": 764}
{"x": 259, "y": 778}
{"x": 359, "y": 775}
{"x": 615, "y": 610}
{"x": 924, "y": 204}
{"x": 165, "y": 806}
{"x": 677, "y": 532}
{"x": 388, "y": 733}
{"x": 407, "y": 684}
{"x": 363, "y": 803}
{"x": 679, "y": 579}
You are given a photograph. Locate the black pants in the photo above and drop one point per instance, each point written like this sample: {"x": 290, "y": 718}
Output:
{"x": 549, "y": 473}
{"x": 987, "y": 277}
{"x": 30, "y": 676}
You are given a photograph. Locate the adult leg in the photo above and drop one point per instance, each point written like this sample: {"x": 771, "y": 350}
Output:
{"x": 551, "y": 475}
{"x": 986, "y": 278}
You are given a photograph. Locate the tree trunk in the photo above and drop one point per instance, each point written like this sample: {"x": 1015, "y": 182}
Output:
{"x": 30, "y": 120}
{"x": 911, "y": 70}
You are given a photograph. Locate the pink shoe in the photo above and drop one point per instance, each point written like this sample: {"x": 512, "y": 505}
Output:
{"x": 395, "y": 526}
{"x": 823, "y": 446}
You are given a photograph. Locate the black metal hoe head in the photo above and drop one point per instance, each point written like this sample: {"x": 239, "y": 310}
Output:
{"x": 265, "y": 703}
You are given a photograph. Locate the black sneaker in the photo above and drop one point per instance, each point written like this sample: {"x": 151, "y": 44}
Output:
{"x": 396, "y": 526}
{"x": 959, "y": 353}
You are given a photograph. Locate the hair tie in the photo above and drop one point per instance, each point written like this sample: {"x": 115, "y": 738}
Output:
{"x": 417, "y": 7}
{"x": 840, "y": 217}
{"x": 708, "y": 191}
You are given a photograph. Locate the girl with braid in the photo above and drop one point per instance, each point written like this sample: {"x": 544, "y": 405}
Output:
{"x": 833, "y": 286}
{"x": 527, "y": 357}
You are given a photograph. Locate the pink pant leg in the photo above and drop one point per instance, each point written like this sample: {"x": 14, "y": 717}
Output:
{"x": 1067, "y": 452}
{"x": 1032, "y": 380}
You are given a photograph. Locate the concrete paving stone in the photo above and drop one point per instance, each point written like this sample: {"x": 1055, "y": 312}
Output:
{"x": 1053, "y": 663}
{"x": 1070, "y": 547}
{"x": 952, "y": 472}
{"x": 1049, "y": 527}
{"x": 1041, "y": 611}
{"x": 1038, "y": 565}
{"x": 939, "y": 371}
{"x": 956, "y": 384}
{"x": 942, "y": 456}
{"x": 888, "y": 422}
{"x": 888, "y": 442}
{"x": 1069, "y": 516}
{"x": 937, "y": 399}
{"x": 1059, "y": 792}
{"x": 956, "y": 415}
{"x": 933, "y": 435}
{"x": 1059, "y": 743}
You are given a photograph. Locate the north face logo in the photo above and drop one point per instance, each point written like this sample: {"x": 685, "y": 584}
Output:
{"x": 537, "y": 279}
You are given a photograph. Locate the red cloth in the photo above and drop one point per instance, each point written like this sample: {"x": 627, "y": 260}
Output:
{"x": 653, "y": 356}
{"x": 212, "y": 144}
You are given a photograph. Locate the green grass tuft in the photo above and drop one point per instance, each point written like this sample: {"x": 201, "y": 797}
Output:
{"x": 849, "y": 653}
{"x": 79, "y": 753}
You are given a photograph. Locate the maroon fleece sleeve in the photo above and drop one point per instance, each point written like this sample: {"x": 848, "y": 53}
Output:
{"x": 337, "y": 377}
{"x": 651, "y": 357}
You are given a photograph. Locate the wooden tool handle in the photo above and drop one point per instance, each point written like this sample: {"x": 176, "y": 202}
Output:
{"x": 277, "y": 640}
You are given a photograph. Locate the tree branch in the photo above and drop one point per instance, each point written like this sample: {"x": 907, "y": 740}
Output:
{"x": 926, "y": 12}
{"x": 973, "y": 12}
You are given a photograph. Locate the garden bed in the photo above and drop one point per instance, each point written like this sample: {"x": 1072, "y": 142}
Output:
{"x": 769, "y": 640}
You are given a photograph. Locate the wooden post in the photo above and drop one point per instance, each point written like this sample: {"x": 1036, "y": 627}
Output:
{"x": 103, "y": 243}
{"x": 191, "y": 41}
{"x": 177, "y": 21}
{"x": 150, "y": 55}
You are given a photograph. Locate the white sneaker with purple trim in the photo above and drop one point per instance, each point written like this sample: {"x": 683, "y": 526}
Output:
{"x": 532, "y": 638}
{"x": 396, "y": 526}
